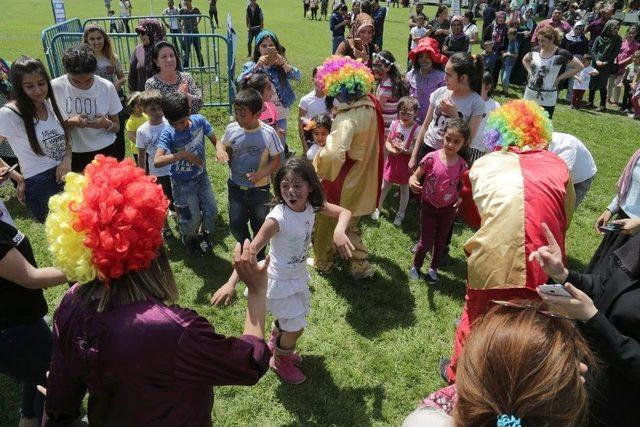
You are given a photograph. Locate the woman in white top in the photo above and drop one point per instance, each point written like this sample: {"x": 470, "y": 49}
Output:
{"x": 33, "y": 126}
{"x": 470, "y": 28}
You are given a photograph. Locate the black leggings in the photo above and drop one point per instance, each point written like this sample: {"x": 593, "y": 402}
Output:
{"x": 603, "y": 96}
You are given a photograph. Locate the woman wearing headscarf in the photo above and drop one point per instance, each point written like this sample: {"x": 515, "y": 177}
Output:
{"x": 577, "y": 44}
{"x": 526, "y": 28}
{"x": 629, "y": 46}
{"x": 359, "y": 43}
{"x": 497, "y": 33}
{"x": 604, "y": 52}
{"x": 457, "y": 40}
{"x": 151, "y": 31}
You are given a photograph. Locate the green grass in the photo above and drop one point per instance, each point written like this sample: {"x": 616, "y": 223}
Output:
{"x": 371, "y": 348}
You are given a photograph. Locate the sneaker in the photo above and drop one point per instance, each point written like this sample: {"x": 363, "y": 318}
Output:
{"x": 375, "y": 215}
{"x": 414, "y": 248}
{"x": 414, "y": 273}
{"x": 286, "y": 370}
{"x": 398, "y": 221}
{"x": 601, "y": 109}
{"x": 432, "y": 276}
{"x": 443, "y": 365}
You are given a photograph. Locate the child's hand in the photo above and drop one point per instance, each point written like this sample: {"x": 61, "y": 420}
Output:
{"x": 342, "y": 244}
{"x": 414, "y": 184}
{"x": 192, "y": 158}
{"x": 225, "y": 293}
{"x": 255, "y": 177}
{"x": 222, "y": 156}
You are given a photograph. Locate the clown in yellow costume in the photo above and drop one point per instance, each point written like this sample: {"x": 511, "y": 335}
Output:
{"x": 350, "y": 164}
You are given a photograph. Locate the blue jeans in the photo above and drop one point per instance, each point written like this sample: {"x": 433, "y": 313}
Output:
{"x": 194, "y": 202}
{"x": 38, "y": 189}
{"x": 247, "y": 205}
{"x": 506, "y": 73}
{"x": 336, "y": 42}
{"x": 25, "y": 352}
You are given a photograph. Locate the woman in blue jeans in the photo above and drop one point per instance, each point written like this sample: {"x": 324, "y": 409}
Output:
{"x": 268, "y": 57}
{"x": 25, "y": 338}
{"x": 32, "y": 124}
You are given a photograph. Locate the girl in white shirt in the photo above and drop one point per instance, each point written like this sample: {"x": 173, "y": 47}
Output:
{"x": 33, "y": 126}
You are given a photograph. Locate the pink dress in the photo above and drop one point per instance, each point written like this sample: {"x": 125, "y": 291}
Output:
{"x": 396, "y": 168}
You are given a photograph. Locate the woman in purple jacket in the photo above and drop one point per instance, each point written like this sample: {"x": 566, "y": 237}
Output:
{"x": 115, "y": 334}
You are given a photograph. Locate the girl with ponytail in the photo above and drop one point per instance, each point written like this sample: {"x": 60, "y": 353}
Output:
{"x": 460, "y": 98}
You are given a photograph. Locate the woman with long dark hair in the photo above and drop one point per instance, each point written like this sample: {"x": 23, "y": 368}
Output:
{"x": 269, "y": 57}
{"x": 34, "y": 127}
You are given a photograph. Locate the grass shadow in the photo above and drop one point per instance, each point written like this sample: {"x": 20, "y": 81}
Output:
{"x": 349, "y": 406}
{"x": 380, "y": 303}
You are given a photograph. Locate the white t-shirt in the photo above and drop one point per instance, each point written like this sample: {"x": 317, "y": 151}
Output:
{"x": 100, "y": 99}
{"x": 585, "y": 77}
{"x": 50, "y": 134}
{"x": 290, "y": 245}
{"x": 544, "y": 71}
{"x": 470, "y": 106}
{"x": 574, "y": 153}
{"x": 147, "y": 137}
{"x": 173, "y": 15}
{"x": 313, "y": 151}
{"x": 125, "y": 5}
{"x": 478, "y": 141}
{"x": 417, "y": 32}
{"x": 313, "y": 105}
{"x": 471, "y": 31}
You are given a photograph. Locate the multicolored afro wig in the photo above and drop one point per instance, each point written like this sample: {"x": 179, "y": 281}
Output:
{"x": 520, "y": 123}
{"x": 107, "y": 222}
{"x": 344, "y": 78}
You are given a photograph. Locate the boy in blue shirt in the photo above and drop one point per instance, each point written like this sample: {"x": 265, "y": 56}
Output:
{"x": 509, "y": 59}
{"x": 181, "y": 145}
{"x": 255, "y": 153}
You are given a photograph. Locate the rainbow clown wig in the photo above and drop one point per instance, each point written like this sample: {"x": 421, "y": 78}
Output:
{"x": 344, "y": 78}
{"x": 523, "y": 124}
{"x": 107, "y": 222}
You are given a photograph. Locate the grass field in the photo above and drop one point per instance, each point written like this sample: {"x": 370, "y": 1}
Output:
{"x": 371, "y": 348}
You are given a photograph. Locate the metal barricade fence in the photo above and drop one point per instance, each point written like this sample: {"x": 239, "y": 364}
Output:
{"x": 205, "y": 24}
{"x": 71, "y": 26}
{"x": 214, "y": 75}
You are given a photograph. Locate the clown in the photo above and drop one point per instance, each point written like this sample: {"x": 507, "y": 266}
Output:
{"x": 507, "y": 195}
{"x": 350, "y": 163}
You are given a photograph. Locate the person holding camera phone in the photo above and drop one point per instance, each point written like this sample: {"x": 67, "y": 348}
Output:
{"x": 626, "y": 208}
{"x": 605, "y": 304}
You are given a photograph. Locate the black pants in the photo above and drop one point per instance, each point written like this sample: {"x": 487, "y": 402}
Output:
{"x": 250, "y": 36}
{"x": 213, "y": 14}
{"x": 80, "y": 160}
{"x": 599, "y": 83}
{"x": 550, "y": 110}
{"x": 626, "y": 96}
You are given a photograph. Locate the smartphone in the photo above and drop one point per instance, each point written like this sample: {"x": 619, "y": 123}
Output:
{"x": 272, "y": 52}
{"x": 8, "y": 171}
{"x": 555, "y": 290}
{"x": 614, "y": 228}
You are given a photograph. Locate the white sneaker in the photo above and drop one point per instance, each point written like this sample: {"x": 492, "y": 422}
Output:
{"x": 398, "y": 221}
{"x": 432, "y": 276}
{"x": 375, "y": 215}
{"x": 414, "y": 274}
{"x": 246, "y": 292}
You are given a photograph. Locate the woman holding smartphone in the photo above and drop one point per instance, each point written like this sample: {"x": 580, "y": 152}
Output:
{"x": 34, "y": 127}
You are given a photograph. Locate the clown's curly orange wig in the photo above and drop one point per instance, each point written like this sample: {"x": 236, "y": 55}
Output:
{"x": 107, "y": 222}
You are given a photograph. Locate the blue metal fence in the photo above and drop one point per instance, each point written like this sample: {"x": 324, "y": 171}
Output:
{"x": 71, "y": 26}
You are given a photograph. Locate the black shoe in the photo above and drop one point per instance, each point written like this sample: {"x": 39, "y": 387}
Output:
{"x": 205, "y": 243}
{"x": 445, "y": 260}
{"x": 193, "y": 248}
{"x": 443, "y": 365}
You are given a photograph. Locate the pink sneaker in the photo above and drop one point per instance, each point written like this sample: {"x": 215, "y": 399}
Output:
{"x": 286, "y": 370}
{"x": 295, "y": 357}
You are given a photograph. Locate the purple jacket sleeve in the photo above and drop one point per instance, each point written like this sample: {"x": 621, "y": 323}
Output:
{"x": 204, "y": 356}
{"x": 64, "y": 392}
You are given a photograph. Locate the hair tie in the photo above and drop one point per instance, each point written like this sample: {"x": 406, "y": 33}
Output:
{"x": 508, "y": 421}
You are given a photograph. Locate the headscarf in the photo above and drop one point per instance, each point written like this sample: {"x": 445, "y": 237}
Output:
{"x": 264, "y": 34}
{"x": 461, "y": 34}
{"x": 156, "y": 32}
{"x": 429, "y": 46}
{"x": 499, "y": 30}
{"x": 530, "y": 22}
{"x": 607, "y": 35}
{"x": 362, "y": 20}
{"x": 624, "y": 183}
{"x": 106, "y": 222}
{"x": 572, "y": 36}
